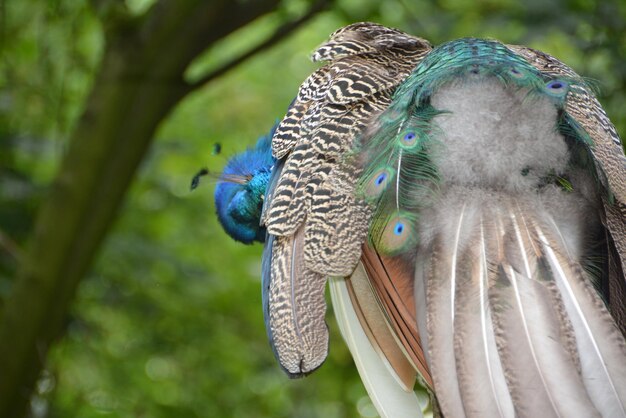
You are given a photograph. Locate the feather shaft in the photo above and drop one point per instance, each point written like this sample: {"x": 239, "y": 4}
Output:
{"x": 603, "y": 364}
{"x": 440, "y": 324}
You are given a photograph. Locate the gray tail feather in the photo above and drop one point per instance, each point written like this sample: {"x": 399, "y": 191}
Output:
{"x": 515, "y": 327}
{"x": 481, "y": 379}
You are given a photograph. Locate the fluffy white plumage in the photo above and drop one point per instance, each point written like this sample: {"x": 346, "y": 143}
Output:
{"x": 497, "y": 137}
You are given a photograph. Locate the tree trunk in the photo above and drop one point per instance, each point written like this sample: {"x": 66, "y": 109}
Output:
{"x": 139, "y": 82}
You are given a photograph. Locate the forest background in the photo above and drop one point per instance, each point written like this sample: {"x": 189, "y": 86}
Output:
{"x": 120, "y": 295}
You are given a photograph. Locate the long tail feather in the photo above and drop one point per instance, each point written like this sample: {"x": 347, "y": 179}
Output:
{"x": 537, "y": 364}
{"x": 440, "y": 280}
{"x": 600, "y": 344}
{"x": 377, "y": 328}
{"x": 381, "y": 383}
{"x": 392, "y": 285}
{"x": 481, "y": 381}
{"x": 531, "y": 336}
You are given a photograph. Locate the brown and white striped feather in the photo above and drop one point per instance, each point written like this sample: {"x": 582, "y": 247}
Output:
{"x": 317, "y": 223}
{"x": 296, "y": 308}
{"x": 365, "y": 38}
{"x": 344, "y": 96}
{"x": 334, "y": 203}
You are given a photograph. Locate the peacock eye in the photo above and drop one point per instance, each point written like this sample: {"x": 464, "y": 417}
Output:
{"x": 377, "y": 182}
{"x": 409, "y": 140}
{"x": 555, "y": 85}
{"x": 397, "y": 233}
{"x": 516, "y": 73}
{"x": 557, "y": 88}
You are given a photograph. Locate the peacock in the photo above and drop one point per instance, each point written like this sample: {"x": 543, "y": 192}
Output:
{"x": 466, "y": 202}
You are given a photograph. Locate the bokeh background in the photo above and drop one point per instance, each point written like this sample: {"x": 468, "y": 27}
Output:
{"x": 166, "y": 321}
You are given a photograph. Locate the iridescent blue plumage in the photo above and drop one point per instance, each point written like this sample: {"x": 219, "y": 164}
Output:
{"x": 239, "y": 197}
{"x": 240, "y": 192}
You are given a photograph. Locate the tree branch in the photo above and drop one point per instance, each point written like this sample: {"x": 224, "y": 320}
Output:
{"x": 276, "y": 37}
{"x": 10, "y": 246}
{"x": 124, "y": 108}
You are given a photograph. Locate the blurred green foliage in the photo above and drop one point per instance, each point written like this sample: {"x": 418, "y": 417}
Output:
{"x": 168, "y": 323}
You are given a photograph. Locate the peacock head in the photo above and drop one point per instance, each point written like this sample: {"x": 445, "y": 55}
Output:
{"x": 240, "y": 191}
